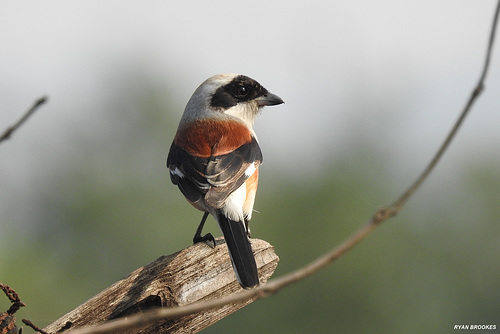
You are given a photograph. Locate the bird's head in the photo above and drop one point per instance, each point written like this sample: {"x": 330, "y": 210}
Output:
{"x": 230, "y": 94}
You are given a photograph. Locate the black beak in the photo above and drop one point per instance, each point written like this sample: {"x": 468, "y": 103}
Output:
{"x": 269, "y": 99}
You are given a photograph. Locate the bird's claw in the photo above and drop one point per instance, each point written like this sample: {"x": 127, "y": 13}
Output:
{"x": 208, "y": 238}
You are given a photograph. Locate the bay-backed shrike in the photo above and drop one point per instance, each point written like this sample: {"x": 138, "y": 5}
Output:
{"x": 214, "y": 160}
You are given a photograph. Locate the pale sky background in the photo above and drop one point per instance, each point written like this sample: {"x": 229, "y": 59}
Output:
{"x": 392, "y": 73}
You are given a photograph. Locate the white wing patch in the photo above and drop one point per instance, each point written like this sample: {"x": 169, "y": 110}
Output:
{"x": 250, "y": 170}
{"x": 177, "y": 172}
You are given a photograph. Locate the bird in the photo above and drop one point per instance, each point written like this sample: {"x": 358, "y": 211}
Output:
{"x": 214, "y": 160}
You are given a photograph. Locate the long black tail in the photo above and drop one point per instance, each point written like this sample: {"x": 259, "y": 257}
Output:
{"x": 240, "y": 251}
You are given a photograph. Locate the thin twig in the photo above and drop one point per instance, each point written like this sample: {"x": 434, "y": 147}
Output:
{"x": 6, "y": 135}
{"x": 13, "y": 297}
{"x": 30, "y": 323}
{"x": 276, "y": 284}
{"x": 398, "y": 204}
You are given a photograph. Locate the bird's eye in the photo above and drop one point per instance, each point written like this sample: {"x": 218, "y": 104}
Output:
{"x": 242, "y": 91}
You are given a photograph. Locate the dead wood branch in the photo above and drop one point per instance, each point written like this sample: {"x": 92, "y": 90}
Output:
{"x": 197, "y": 273}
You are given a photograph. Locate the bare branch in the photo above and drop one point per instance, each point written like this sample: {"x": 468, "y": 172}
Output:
{"x": 398, "y": 204}
{"x": 276, "y": 284}
{"x": 6, "y": 135}
{"x": 30, "y": 324}
{"x": 196, "y": 273}
{"x": 13, "y": 297}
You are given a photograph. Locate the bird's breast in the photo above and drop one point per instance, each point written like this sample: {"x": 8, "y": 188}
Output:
{"x": 205, "y": 138}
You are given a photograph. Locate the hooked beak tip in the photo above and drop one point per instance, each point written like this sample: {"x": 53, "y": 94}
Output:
{"x": 269, "y": 99}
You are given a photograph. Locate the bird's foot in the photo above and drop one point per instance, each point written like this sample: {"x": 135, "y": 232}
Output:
{"x": 208, "y": 238}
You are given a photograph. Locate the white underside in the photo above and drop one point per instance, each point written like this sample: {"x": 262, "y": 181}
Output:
{"x": 234, "y": 204}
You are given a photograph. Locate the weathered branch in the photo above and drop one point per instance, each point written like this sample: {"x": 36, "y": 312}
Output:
{"x": 197, "y": 273}
{"x": 6, "y": 135}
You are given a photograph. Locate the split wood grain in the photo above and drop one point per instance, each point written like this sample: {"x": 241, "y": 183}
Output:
{"x": 196, "y": 273}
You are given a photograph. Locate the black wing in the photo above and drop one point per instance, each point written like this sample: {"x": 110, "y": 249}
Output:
{"x": 213, "y": 178}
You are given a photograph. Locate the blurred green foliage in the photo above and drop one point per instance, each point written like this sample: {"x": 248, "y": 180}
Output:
{"x": 111, "y": 208}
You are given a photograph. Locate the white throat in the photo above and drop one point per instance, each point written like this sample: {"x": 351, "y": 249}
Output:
{"x": 245, "y": 112}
